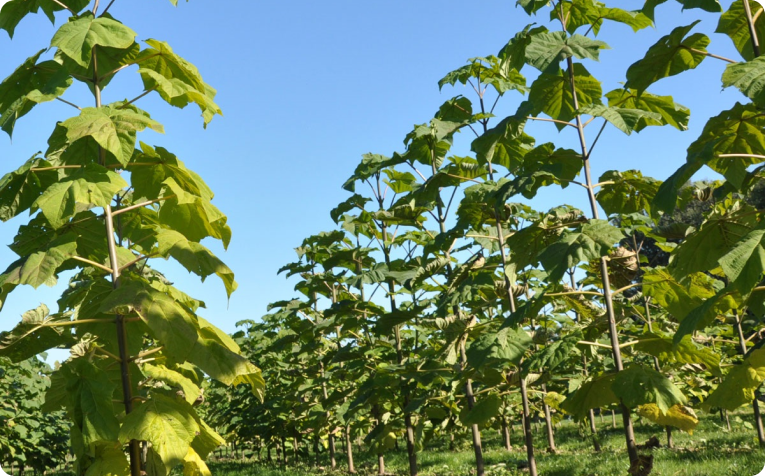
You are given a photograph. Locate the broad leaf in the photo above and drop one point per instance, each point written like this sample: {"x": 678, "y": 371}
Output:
{"x": 624, "y": 119}
{"x": 748, "y": 77}
{"x": 734, "y": 24}
{"x": 740, "y": 384}
{"x": 29, "y": 85}
{"x": 35, "y": 334}
{"x": 20, "y": 188}
{"x": 629, "y": 192}
{"x": 673, "y": 114}
{"x": 594, "y": 393}
{"x": 679, "y": 416}
{"x": 90, "y": 393}
{"x": 592, "y": 241}
{"x": 168, "y": 424}
{"x": 193, "y": 216}
{"x": 484, "y": 410}
{"x": 685, "y": 352}
{"x": 671, "y": 55}
{"x": 744, "y": 264}
{"x": 548, "y": 49}
{"x": 77, "y": 38}
{"x": 551, "y": 94}
{"x": 13, "y": 11}
{"x": 638, "y": 385}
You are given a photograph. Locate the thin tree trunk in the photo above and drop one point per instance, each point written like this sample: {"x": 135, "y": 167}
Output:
{"x": 613, "y": 419}
{"x": 629, "y": 433}
{"x": 476, "y": 432}
{"x": 670, "y": 443}
{"x": 548, "y": 423}
{"x": 506, "y": 434}
{"x": 380, "y": 456}
{"x": 755, "y": 403}
{"x": 349, "y": 449}
{"x": 594, "y": 431}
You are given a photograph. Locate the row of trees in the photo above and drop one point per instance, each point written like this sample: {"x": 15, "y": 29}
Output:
{"x": 444, "y": 300}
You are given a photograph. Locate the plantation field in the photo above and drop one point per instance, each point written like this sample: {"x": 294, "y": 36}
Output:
{"x": 711, "y": 450}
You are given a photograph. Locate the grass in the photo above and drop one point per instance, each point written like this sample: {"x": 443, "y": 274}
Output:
{"x": 710, "y": 451}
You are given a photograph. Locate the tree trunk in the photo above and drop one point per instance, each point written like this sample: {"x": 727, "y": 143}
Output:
{"x": 477, "y": 449}
{"x": 548, "y": 423}
{"x": 506, "y": 434}
{"x": 613, "y": 419}
{"x": 349, "y": 449}
{"x": 755, "y": 403}
{"x": 594, "y": 431}
{"x": 670, "y": 443}
{"x": 529, "y": 438}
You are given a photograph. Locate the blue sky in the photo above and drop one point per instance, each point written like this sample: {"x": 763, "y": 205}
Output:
{"x": 307, "y": 87}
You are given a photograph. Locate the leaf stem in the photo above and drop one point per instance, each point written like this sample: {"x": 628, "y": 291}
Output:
{"x": 723, "y": 58}
{"x": 137, "y": 98}
{"x": 752, "y": 29}
{"x": 107, "y": 8}
{"x": 557, "y": 121}
{"x": 62, "y": 4}
{"x": 141, "y": 205}
{"x": 92, "y": 263}
{"x": 131, "y": 263}
{"x": 71, "y": 104}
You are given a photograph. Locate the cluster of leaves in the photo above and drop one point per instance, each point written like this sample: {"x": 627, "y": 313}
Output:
{"x": 28, "y": 436}
{"x": 487, "y": 308}
{"x": 103, "y": 205}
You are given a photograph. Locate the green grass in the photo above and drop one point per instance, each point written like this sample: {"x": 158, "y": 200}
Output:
{"x": 710, "y": 451}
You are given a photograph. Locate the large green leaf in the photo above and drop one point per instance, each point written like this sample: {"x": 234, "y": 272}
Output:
{"x": 20, "y": 188}
{"x": 590, "y": 242}
{"x": 90, "y": 393}
{"x": 173, "y": 379}
{"x": 734, "y": 24}
{"x": 168, "y": 424}
{"x": 505, "y": 144}
{"x": 176, "y": 80}
{"x": 551, "y": 93}
{"x": 553, "y": 355}
{"x": 29, "y": 85}
{"x": 594, "y": 393}
{"x": 547, "y": 49}
{"x": 185, "y": 337}
{"x": 738, "y": 130}
{"x": 678, "y": 298}
{"x": 685, "y": 352}
{"x": 629, "y": 192}
{"x": 673, "y": 114}
{"x": 506, "y": 346}
{"x": 490, "y": 70}
{"x": 744, "y": 264}
{"x": 624, "y": 119}
{"x": 739, "y": 385}
{"x": 41, "y": 266}
{"x": 193, "y": 216}
{"x": 671, "y": 55}
{"x": 194, "y": 257}
{"x": 77, "y": 38}
{"x": 150, "y": 167}
{"x": 110, "y": 460}
{"x": 112, "y": 127}
{"x": 484, "y": 410}
{"x": 638, "y": 385}
{"x": 36, "y": 333}
{"x": 748, "y": 77}
{"x": 13, "y": 11}
{"x": 702, "y": 250}
{"x": 90, "y": 186}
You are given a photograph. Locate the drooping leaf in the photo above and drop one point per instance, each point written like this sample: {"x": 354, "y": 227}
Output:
{"x": 594, "y": 393}
{"x": 679, "y": 416}
{"x": 638, "y": 385}
{"x": 685, "y": 352}
{"x": 673, "y": 114}
{"x": 678, "y": 298}
{"x": 553, "y": 355}
{"x": 174, "y": 379}
{"x": 110, "y": 460}
{"x": 20, "y": 188}
{"x": 41, "y": 267}
{"x": 671, "y": 55}
{"x": 29, "y": 85}
{"x": 176, "y": 80}
{"x": 744, "y": 264}
{"x": 193, "y": 216}
{"x": 484, "y": 410}
{"x": 77, "y": 38}
{"x": 739, "y": 385}
{"x": 168, "y": 424}
{"x": 194, "y": 257}
{"x": 13, "y": 11}
{"x": 34, "y": 335}
{"x": 624, "y": 119}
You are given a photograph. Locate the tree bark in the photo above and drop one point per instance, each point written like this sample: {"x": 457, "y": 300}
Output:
{"x": 548, "y": 423}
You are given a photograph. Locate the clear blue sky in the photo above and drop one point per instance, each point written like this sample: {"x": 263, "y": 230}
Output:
{"x": 307, "y": 87}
